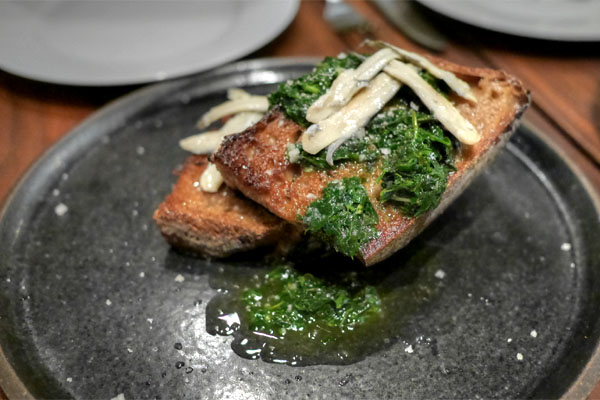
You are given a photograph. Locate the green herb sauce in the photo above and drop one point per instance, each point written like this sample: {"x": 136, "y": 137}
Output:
{"x": 343, "y": 217}
{"x": 322, "y": 309}
{"x": 295, "y": 96}
{"x": 418, "y": 161}
{"x": 286, "y": 300}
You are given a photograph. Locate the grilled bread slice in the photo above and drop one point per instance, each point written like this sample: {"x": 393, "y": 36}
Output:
{"x": 215, "y": 224}
{"x": 255, "y": 162}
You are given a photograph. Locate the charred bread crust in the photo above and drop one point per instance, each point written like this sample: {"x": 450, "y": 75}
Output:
{"x": 215, "y": 224}
{"x": 255, "y": 162}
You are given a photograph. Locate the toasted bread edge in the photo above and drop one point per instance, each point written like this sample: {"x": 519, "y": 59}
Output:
{"x": 214, "y": 224}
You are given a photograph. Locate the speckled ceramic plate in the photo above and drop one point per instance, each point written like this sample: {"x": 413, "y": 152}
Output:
{"x": 92, "y": 300}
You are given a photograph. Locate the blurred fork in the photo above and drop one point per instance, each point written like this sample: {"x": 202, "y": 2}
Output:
{"x": 343, "y": 18}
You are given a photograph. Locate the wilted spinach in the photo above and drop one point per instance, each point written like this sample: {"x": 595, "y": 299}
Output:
{"x": 285, "y": 300}
{"x": 418, "y": 160}
{"x": 343, "y": 217}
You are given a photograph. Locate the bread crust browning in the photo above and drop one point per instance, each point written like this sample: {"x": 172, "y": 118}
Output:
{"x": 255, "y": 162}
{"x": 215, "y": 224}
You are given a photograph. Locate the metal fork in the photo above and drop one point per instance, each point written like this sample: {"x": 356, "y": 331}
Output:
{"x": 342, "y": 17}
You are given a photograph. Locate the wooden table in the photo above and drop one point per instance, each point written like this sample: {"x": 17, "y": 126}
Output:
{"x": 564, "y": 80}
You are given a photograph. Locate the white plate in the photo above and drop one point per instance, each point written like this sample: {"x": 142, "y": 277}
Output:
{"x": 564, "y": 20}
{"x": 118, "y": 42}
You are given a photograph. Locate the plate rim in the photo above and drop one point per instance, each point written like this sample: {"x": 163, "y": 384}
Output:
{"x": 445, "y": 8}
{"x": 10, "y": 382}
{"x": 589, "y": 377}
{"x": 289, "y": 11}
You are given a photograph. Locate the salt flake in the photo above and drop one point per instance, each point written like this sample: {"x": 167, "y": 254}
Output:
{"x": 565, "y": 246}
{"x": 533, "y": 333}
{"x": 61, "y": 209}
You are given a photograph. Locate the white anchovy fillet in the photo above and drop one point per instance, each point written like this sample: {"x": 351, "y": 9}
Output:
{"x": 250, "y": 103}
{"x": 349, "y": 120}
{"x": 347, "y": 84}
{"x": 441, "y": 108}
{"x": 208, "y": 142}
{"x": 237, "y": 94}
{"x": 202, "y": 143}
{"x": 342, "y": 89}
{"x": 461, "y": 87}
{"x": 246, "y": 110}
{"x": 374, "y": 64}
{"x": 211, "y": 179}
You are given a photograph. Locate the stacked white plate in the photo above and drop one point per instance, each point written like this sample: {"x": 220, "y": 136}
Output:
{"x": 118, "y": 42}
{"x": 562, "y": 20}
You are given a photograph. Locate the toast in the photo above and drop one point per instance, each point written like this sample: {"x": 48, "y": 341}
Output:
{"x": 256, "y": 163}
{"x": 215, "y": 224}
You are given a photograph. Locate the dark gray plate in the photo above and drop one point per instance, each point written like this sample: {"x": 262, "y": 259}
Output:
{"x": 90, "y": 307}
